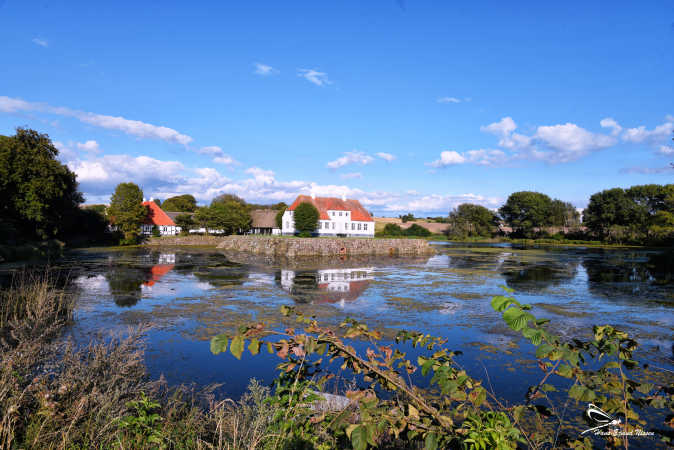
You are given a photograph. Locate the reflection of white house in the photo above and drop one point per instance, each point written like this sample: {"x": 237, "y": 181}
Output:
{"x": 334, "y": 285}
{"x": 336, "y": 217}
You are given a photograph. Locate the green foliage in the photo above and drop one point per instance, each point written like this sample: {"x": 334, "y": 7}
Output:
{"x": 227, "y": 198}
{"x": 229, "y": 217}
{"x": 155, "y": 231}
{"x": 143, "y": 426}
{"x": 306, "y": 218}
{"x": 417, "y": 231}
{"x": 157, "y": 202}
{"x": 641, "y": 214}
{"x": 185, "y": 222}
{"x": 469, "y": 220}
{"x": 526, "y": 210}
{"x": 127, "y": 211}
{"x": 457, "y": 410}
{"x": 409, "y": 217}
{"x": 392, "y": 230}
{"x": 39, "y": 194}
{"x": 180, "y": 203}
{"x": 279, "y": 218}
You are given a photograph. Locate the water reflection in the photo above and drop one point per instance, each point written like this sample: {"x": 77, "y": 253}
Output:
{"x": 538, "y": 277}
{"x": 326, "y": 285}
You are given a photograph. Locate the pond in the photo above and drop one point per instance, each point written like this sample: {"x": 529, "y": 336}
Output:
{"x": 191, "y": 294}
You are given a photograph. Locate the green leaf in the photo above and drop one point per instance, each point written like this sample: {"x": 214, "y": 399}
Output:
{"x": 359, "y": 438}
{"x": 516, "y": 318}
{"x": 544, "y": 350}
{"x": 237, "y": 346}
{"x": 427, "y": 366}
{"x": 565, "y": 371}
{"x": 219, "y": 344}
{"x": 431, "y": 441}
{"x": 500, "y": 302}
{"x": 582, "y": 393}
{"x": 254, "y": 346}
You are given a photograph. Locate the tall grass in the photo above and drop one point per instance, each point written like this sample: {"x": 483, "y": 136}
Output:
{"x": 55, "y": 395}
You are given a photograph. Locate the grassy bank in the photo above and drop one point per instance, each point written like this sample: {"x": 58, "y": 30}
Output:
{"x": 53, "y": 395}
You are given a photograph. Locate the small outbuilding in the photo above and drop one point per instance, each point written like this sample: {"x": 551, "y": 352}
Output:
{"x": 264, "y": 222}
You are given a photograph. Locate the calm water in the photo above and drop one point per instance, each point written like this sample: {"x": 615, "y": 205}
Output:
{"x": 190, "y": 295}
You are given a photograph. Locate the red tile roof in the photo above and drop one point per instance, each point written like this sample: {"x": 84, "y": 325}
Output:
{"x": 156, "y": 215}
{"x": 325, "y": 204}
{"x": 356, "y": 288}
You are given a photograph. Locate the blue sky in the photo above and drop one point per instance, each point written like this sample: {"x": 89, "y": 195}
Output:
{"x": 404, "y": 105}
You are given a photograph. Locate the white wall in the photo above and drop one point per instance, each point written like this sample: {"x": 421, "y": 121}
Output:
{"x": 338, "y": 224}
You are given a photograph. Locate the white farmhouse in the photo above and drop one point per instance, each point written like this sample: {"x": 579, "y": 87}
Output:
{"x": 337, "y": 217}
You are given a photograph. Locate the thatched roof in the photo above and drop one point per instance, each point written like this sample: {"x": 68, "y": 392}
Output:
{"x": 263, "y": 218}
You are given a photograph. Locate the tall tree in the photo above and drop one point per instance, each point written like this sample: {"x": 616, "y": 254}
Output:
{"x": 127, "y": 211}
{"x": 468, "y": 219}
{"x": 306, "y": 218}
{"x": 39, "y": 194}
{"x": 185, "y": 222}
{"x": 526, "y": 210}
{"x": 563, "y": 214}
{"x": 224, "y": 198}
{"x": 230, "y": 217}
{"x": 180, "y": 203}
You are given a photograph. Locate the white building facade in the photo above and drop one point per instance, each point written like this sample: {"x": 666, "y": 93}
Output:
{"x": 337, "y": 217}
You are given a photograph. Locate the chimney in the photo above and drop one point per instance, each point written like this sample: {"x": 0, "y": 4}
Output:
{"x": 313, "y": 195}
{"x": 343, "y": 197}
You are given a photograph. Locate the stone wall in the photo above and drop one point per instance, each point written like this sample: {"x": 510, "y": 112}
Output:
{"x": 293, "y": 247}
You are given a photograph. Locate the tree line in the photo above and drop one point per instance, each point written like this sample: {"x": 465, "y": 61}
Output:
{"x": 642, "y": 214}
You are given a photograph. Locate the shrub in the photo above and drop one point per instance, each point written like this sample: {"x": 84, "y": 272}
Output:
{"x": 417, "y": 231}
{"x": 306, "y": 219}
{"x": 391, "y": 229}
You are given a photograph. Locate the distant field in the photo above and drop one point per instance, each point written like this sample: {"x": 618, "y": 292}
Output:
{"x": 433, "y": 227}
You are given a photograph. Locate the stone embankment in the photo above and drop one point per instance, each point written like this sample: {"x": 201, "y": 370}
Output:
{"x": 300, "y": 247}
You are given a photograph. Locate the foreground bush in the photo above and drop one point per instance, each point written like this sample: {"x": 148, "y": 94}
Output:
{"x": 455, "y": 410}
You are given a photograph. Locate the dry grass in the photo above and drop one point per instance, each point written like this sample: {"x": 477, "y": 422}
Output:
{"x": 54, "y": 395}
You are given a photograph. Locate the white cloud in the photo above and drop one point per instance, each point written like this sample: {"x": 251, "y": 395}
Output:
{"x": 265, "y": 177}
{"x": 445, "y": 203}
{"x": 264, "y": 70}
{"x": 350, "y": 176}
{"x": 354, "y": 157}
{"x": 503, "y": 127}
{"x": 552, "y": 143}
{"x": 570, "y": 141}
{"x": 612, "y": 124}
{"x": 481, "y": 157}
{"x": 448, "y": 158}
{"x": 449, "y": 100}
{"x": 666, "y": 150}
{"x": 40, "y": 42}
{"x": 641, "y": 133}
{"x": 131, "y": 127}
{"x": 89, "y": 146}
{"x": 314, "y": 76}
{"x": 386, "y": 156}
{"x": 219, "y": 156}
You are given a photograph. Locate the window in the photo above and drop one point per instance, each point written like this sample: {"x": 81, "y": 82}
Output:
{"x": 359, "y": 226}
{"x": 333, "y": 225}
{"x": 347, "y": 214}
{"x": 333, "y": 213}
{"x": 340, "y": 214}
{"x": 353, "y": 226}
{"x": 287, "y": 224}
{"x": 364, "y": 226}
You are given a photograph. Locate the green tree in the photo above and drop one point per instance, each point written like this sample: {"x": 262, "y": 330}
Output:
{"x": 409, "y": 217}
{"x": 563, "y": 214}
{"x": 226, "y": 198}
{"x": 157, "y": 201}
{"x": 306, "y": 218}
{"x": 185, "y": 222}
{"x": 98, "y": 208}
{"x": 180, "y": 203}
{"x": 231, "y": 217}
{"x": 417, "y": 230}
{"x": 468, "y": 220}
{"x": 127, "y": 211}
{"x": 279, "y": 218}
{"x": 391, "y": 229}
{"x": 39, "y": 194}
{"x": 606, "y": 210}
{"x": 525, "y": 211}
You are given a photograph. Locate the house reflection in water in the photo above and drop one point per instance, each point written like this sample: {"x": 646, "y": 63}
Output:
{"x": 165, "y": 264}
{"x": 328, "y": 285}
